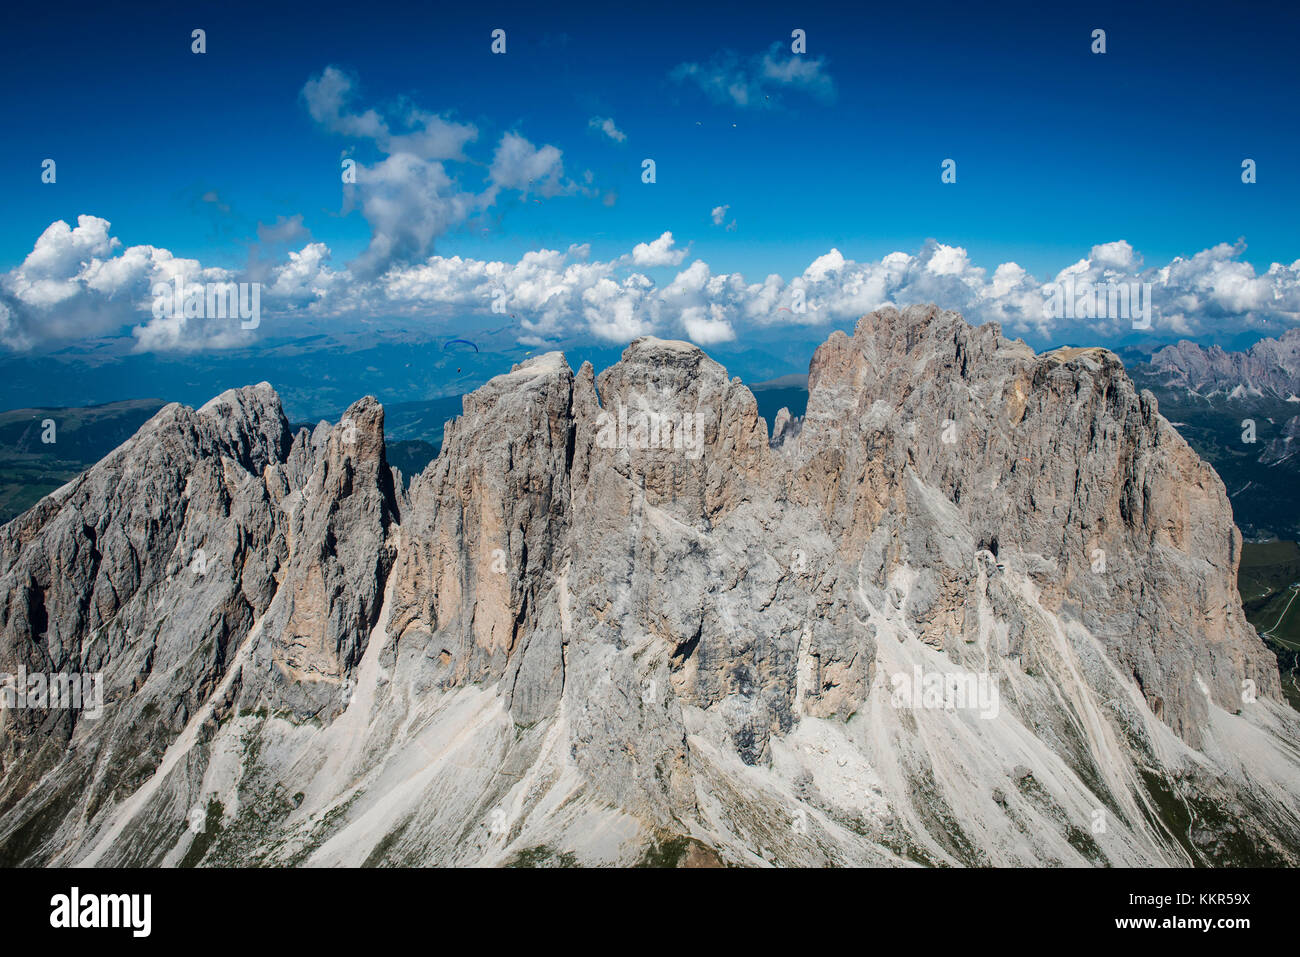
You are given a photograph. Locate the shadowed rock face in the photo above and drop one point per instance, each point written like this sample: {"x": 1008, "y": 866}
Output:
{"x": 611, "y": 614}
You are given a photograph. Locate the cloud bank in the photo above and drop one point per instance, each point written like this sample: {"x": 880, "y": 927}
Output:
{"x": 80, "y": 282}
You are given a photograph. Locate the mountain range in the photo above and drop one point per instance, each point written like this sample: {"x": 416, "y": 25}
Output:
{"x": 974, "y": 606}
{"x": 1241, "y": 412}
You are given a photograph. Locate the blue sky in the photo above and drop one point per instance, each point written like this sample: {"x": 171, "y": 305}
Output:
{"x": 1058, "y": 150}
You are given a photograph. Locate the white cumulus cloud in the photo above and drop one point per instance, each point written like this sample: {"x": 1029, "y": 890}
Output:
{"x": 411, "y": 197}
{"x": 661, "y": 252}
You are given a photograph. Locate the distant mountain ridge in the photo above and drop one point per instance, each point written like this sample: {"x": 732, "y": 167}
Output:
{"x": 1240, "y": 411}
{"x": 1271, "y": 367}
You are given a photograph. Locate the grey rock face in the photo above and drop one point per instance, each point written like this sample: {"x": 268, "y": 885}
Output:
{"x": 151, "y": 569}
{"x": 1057, "y": 460}
{"x": 614, "y": 611}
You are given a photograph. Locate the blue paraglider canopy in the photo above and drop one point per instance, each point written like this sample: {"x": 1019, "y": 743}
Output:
{"x": 465, "y": 342}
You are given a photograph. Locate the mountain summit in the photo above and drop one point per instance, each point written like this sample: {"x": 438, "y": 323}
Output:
{"x": 977, "y": 607}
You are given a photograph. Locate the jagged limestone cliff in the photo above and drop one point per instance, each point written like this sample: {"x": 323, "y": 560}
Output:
{"x": 614, "y": 622}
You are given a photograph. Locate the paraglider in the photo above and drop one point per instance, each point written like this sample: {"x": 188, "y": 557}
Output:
{"x": 459, "y": 343}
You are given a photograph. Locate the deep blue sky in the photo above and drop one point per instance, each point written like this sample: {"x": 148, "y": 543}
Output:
{"x": 1058, "y": 149}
